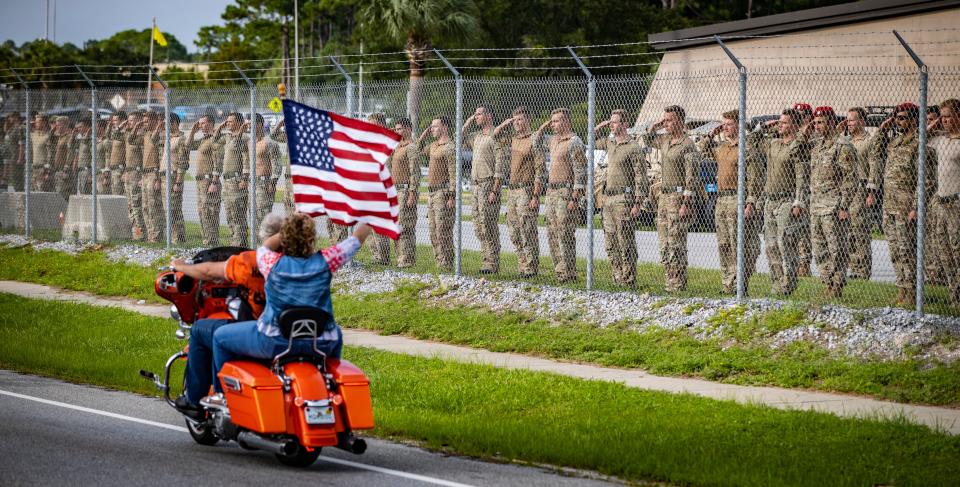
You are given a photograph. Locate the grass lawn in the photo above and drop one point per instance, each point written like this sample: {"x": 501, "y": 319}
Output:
{"x": 527, "y": 416}
{"x": 742, "y": 356}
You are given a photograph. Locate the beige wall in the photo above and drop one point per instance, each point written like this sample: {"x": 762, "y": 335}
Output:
{"x": 851, "y": 65}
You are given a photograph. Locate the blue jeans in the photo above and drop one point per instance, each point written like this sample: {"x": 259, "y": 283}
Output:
{"x": 244, "y": 341}
{"x": 199, "y": 374}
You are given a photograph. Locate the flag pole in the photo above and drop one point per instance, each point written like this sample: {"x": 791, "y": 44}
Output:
{"x": 150, "y": 71}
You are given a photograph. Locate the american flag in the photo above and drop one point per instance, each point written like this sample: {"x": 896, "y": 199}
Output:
{"x": 337, "y": 165}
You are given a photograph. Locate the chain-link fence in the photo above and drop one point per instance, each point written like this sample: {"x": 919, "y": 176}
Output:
{"x": 640, "y": 183}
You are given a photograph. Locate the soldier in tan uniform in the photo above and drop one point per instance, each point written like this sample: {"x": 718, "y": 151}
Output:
{"x": 727, "y": 155}
{"x": 82, "y": 156}
{"x": 133, "y": 167}
{"x": 404, "y": 167}
{"x": 833, "y": 161}
{"x": 946, "y": 203}
{"x": 381, "y": 244}
{"x": 14, "y": 151}
{"x": 104, "y": 147}
{"x": 441, "y": 184}
{"x": 487, "y": 173}
{"x": 154, "y": 216}
{"x": 896, "y": 168}
{"x": 527, "y": 180}
{"x": 786, "y": 194}
{"x": 934, "y": 272}
{"x": 118, "y": 152}
{"x": 268, "y": 157}
{"x": 180, "y": 161}
{"x": 64, "y": 157}
{"x": 566, "y": 184}
{"x": 625, "y": 192}
{"x": 209, "y": 168}
{"x": 680, "y": 166}
{"x": 42, "y": 145}
{"x": 236, "y": 173}
{"x": 861, "y": 221}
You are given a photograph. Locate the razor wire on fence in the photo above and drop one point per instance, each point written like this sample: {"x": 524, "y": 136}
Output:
{"x": 699, "y": 179}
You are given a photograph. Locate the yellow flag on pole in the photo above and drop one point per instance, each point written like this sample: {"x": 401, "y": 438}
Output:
{"x": 158, "y": 36}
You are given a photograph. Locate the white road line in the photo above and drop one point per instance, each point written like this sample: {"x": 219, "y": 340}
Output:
{"x": 181, "y": 429}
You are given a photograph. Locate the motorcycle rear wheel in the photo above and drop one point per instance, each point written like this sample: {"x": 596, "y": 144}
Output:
{"x": 301, "y": 458}
{"x": 201, "y": 434}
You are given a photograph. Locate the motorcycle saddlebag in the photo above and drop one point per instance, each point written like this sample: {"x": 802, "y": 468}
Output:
{"x": 254, "y": 396}
{"x": 355, "y": 389}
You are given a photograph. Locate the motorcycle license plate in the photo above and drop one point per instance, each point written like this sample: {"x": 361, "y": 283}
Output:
{"x": 319, "y": 414}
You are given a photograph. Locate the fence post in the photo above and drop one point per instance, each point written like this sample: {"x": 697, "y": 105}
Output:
{"x": 741, "y": 172}
{"x": 458, "y": 148}
{"x": 28, "y": 157}
{"x": 166, "y": 158}
{"x": 349, "y": 93}
{"x": 921, "y": 173}
{"x": 93, "y": 154}
{"x": 591, "y": 143}
{"x": 252, "y": 156}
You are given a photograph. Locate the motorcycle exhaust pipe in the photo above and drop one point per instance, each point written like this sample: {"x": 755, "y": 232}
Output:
{"x": 280, "y": 447}
{"x": 351, "y": 444}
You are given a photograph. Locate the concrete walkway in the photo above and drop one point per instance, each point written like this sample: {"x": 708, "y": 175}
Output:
{"x": 841, "y": 405}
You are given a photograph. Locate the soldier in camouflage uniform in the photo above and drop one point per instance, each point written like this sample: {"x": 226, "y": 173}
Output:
{"x": 64, "y": 141}
{"x": 807, "y": 136}
{"x": 946, "y": 203}
{"x": 118, "y": 153}
{"x": 487, "y": 173}
{"x": 268, "y": 158}
{"x": 727, "y": 155}
{"x": 133, "y": 167}
{"x": 934, "y": 272}
{"x": 104, "y": 147}
{"x": 861, "y": 252}
{"x": 180, "y": 161}
{"x": 82, "y": 158}
{"x": 381, "y": 244}
{"x": 236, "y": 173}
{"x": 527, "y": 180}
{"x": 680, "y": 167}
{"x": 442, "y": 184}
{"x": 896, "y": 169}
{"x": 625, "y": 194}
{"x": 41, "y": 145}
{"x": 786, "y": 194}
{"x": 14, "y": 151}
{"x": 832, "y": 162}
{"x": 404, "y": 167}
{"x": 151, "y": 188}
{"x": 209, "y": 168}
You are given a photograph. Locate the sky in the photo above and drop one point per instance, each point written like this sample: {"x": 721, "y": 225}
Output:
{"x": 78, "y": 21}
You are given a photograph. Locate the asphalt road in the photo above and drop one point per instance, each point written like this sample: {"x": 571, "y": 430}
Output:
{"x": 55, "y": 433}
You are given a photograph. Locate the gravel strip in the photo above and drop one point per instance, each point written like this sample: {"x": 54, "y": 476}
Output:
{"x": 874, "y": 334}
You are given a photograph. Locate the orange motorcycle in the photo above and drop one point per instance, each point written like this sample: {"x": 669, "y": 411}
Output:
{"x": 291, "y": 406}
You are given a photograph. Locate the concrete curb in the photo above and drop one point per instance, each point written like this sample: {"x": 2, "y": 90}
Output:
{"x": 937, "y": 418}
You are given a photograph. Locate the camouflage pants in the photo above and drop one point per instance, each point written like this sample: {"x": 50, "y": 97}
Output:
{"x": 103, "y": 183}
{"x": 42, "y": 179}
{"x": 831, "y": 248}
{"x": 116, "y": 182}
{"x": 675, "y": 228}
{"x": 561, "y": 232}
{"x": 947, "y": 234}
{"x": 901, "y": 235}
{"x": 208, "y": 208}
{"x": 176, "y": 211}
{"x": 861, "y": 252}
{"x": 337, "y": 233}
{"x": 134, "y": 201}
{"x": 406, "y": 243}
{"x": 619, "y": 231}
{"x": 486, "y": 225}
{"x": 266, "y": 192}
{"x": 64, "y": 183}
{"x": 153, "y": 214}
{"x": 725, "y": 217}
{"x": 441, "y": 220}
{"x": 235, "y": 206}
{"x": 782, "y": 234}
{"x": 804, "y": 246}
{"x": 934, "y": 273}
{"x": 522, "y": 221}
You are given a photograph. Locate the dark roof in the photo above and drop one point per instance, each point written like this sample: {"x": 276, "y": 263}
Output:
{"x": 847, "y": 13}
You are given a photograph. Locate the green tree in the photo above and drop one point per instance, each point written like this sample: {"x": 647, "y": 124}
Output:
{"x": 419, "y": 24}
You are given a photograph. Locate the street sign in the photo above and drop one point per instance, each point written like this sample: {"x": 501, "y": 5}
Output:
{"x": 275, "y": 104}
{"x": 117, "y": 102}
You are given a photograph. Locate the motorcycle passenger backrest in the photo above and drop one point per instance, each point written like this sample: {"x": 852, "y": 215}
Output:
{"x": 217, "y": 254}
{"x": 303, "y": 322}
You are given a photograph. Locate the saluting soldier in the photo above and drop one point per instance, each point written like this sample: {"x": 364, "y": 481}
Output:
{"x": 150, "y": 186}
{"x": 946, "y": 203}
{"x": 566, "y": 184}
{"x": 625, "y": 194}
{"x": 82, "y": 161}
{"x": 104, "y": 147}
{"x": 42, "y": 146}
{"x": 833, "y": 161}
{"x": 806, "y": 135}
{"x": 486, "y": 174}
{"x": 133, "y": 159}
{"x": 861, "y": 222}
{"x": 209, "y": 168}
{"x": 236, "y": 173}
{"x": 786, "y": 194}
{"x": 527, "y": 181}
{"x": 727, "y": 155}
{"x": 118, "y": 152}
{"x": 896, "y": 168}
{"x": 180, "y": 162}
{"x": 441, "y": 184}
{"x": 680, "y": 165}
{"x": 64, "y": 157}
{"x": 14, "y": 150}
{"x": 268, "y": 158}
{"x": 404, "y": 167}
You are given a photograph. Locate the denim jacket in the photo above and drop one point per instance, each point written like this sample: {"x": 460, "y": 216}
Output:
{"x": 298, "y": 281}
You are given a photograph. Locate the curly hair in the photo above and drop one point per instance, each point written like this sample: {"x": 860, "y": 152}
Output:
{"x": 297, "y": 235}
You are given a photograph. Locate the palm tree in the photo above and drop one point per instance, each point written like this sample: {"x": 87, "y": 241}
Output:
{"x": 419, "y": 24}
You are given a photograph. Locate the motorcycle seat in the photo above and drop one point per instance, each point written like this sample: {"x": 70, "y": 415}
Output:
{"x": 302, "y": 323}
